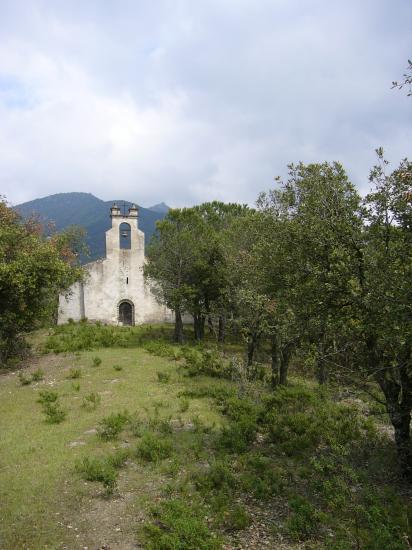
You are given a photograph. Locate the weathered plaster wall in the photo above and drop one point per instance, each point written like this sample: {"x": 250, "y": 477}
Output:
{"x": 109, "y": 281}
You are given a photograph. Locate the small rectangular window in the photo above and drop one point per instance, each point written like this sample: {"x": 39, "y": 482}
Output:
{"x": 127, "y": 280}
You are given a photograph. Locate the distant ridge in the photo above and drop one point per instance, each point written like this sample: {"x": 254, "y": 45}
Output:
{"x": 90, "y": 212}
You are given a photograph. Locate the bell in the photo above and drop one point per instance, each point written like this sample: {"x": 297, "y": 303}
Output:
{"x": 124, "y": 234}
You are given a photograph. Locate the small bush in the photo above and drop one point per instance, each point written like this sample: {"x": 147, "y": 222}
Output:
{"x": 153, "y": 448}
{"x": 47, "y": 396}
{"x": 87, "y": 336}
{"x": 112, "y": 425}
{"x": 305, "y": 520}
{"x": 178, "y": 525}
{"x": 261, "y": 477}
{"x": 236, "y": 519}
{"x": 76, "y": 386}
{"x": 218, "y": 477}
{"x": 74, "y": 373}
{"x": 96, "y": 361}
{"x": 163, "y": 377}
{"x": 24, "y": 380}
{"x": 238, "y": 436}
{"x": 54, "y": 413}
{"x": 117, "y": 368}
{"x": 94, "y": 469}
{"x": 37, "y": 375}
{"x": 184, "y": 405}
{"x": 91, "y": 401}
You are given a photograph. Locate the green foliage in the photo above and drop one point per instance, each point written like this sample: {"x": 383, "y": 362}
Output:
{"x": 184, "y": 405}
{"x": 96, "y": 361}
{"x": 299, "y": 421}
{"x": 208, "y": 362}
{"x": 33, "y": 271}
{"x": 74, "y": 373}
{"x": 179, "y": 525}
{"x": 163, "y": 377}
{"x": 305, "y": 521}
{"x": 37, "y": 375}
{"x": 47, "y": 396}
{"x": 261, "y": 477}
{"x": 111, "y": 426}
{"x": 237, "y": 519}
{"x": 91, "y": 401}
{"x": 117, "y": 368}
{"x": 94, "y": 469}
{"x": 24, "y": 380}
{"x": 238, "y": 436}
{"x": 76, "y": 386}
{"x": 53, "y": 412}
{"x": 86, "y": 336}
{"x": 217, "y": 478}
{"x": 154, "y": 447}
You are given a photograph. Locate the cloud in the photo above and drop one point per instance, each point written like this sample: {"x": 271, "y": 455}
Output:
{"x": 186, "y": 102}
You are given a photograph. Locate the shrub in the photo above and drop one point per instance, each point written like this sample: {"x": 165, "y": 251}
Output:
{"x": 218, "y": 477}
{"x": 238, "y": 436}
{"x": 74, "y": 373}
{"x": 95, "y": 469}
{"x": 208, "y": 362}
{"x": 24, "y": 380}
{"x": 96, "y": 361}
{"x": 91, "y": 401}
{"x": 76, "y": 386}
{"x": 236, "y": 519}
{"x": 152, "y": 448}
{"x": 112, "y": 425}
{"x": 117, "y": 367}
{"x": 305, "y": 520}
{"x": 47, "y": 396}
{"x": 37, "y": 375}
{"x": 54, "y": 413}
{"x": 178, "y": 525}
{"x": 163, "y": 377}
{"x": 83, "y": 336}
{"x": 184, "y": 405}
{"x": 261, "y": 477}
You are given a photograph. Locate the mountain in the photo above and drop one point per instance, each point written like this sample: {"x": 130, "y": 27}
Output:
{"x": 161, "y": 207}
{"x": 90, "y": 212}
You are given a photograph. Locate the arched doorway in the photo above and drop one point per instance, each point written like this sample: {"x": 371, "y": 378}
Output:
{"x": 126, "y": 313}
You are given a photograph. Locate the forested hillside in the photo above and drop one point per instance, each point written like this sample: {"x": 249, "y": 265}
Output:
{"x": 90, "y": 212}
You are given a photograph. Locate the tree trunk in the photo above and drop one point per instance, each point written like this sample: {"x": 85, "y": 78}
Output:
{"x": 178, "y": 335}
{"x": 401, "y": 422}
{"x": 221, "y": 330}
{"x": 210, "y": 324}
{"x": 284, "y": 364}
{"x": 321, "y": 368}
{"x": 251, "y": 347}
{"x": 202, "y": 321}
{"x": 275, "y": 362}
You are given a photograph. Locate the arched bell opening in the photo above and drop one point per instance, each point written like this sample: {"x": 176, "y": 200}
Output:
{"x": 126, "y": 313}
{"x": 125, "y": 235}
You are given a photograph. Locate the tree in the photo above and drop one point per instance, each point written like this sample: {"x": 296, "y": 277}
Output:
{"x": 33, "y": 271}
{"x": 385, "y": 297}
{"x": 170, "y": 258}
{"x": 407, "y": 80}
{"x": 310, "y": 263}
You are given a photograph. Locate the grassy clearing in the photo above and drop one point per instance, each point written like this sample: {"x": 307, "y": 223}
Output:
{"x": 169, "y": 453}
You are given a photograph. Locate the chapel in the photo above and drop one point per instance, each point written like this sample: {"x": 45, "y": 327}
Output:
{"x": 114, "y": 291}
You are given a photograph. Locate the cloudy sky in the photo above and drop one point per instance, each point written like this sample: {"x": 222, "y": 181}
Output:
{"x": 185, "y": 101}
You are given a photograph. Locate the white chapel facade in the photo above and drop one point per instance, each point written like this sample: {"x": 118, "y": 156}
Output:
{"x": 114, "y": 291}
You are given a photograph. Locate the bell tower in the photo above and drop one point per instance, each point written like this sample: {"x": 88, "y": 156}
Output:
{"x": 124, "y": 234}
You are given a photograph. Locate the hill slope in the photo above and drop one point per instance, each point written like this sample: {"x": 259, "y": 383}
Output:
{"x": 90, "y": 212}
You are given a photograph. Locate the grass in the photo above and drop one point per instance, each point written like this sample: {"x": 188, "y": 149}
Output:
{"x": 177, "y": 464}
{"x": 36, "y": 457}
